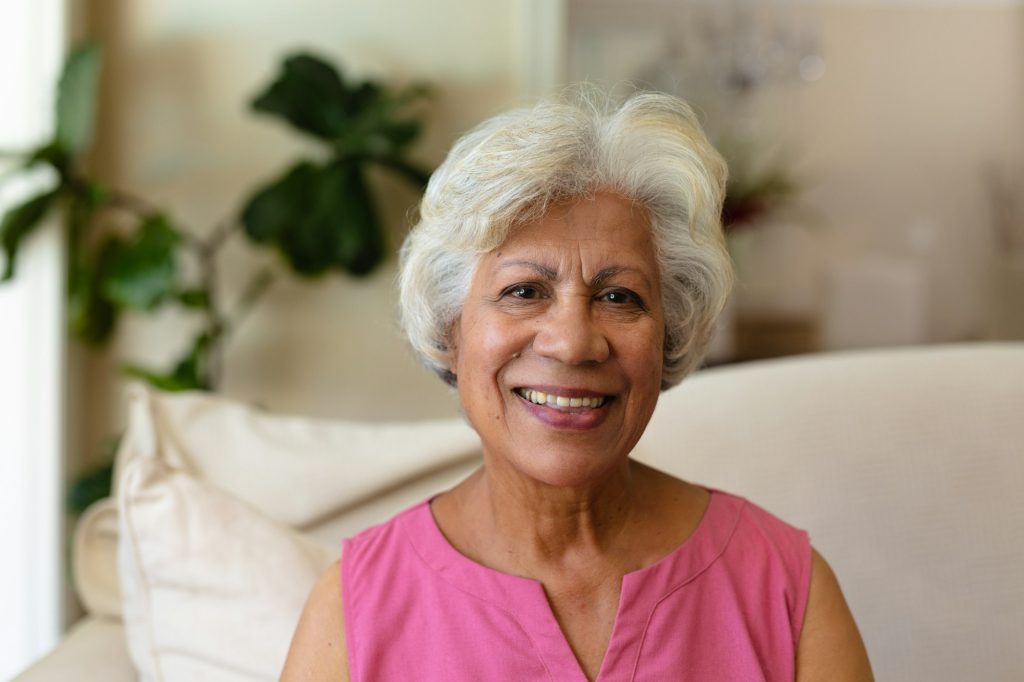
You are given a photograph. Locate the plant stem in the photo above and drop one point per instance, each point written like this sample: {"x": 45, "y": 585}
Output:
{"x": 254, "y": 291}
{"x": 130, "y": 203}
{"x": 214, "y": 319}
{"x": 119, "y": 200}
{"x": 209, "y": 247}
{"x": 115, "y": 199}
{"x": 222, "y": 327}
{"x": 219, "y": 327}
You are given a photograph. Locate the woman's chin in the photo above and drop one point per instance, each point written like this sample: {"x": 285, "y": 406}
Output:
{"x": 567, "y": 468}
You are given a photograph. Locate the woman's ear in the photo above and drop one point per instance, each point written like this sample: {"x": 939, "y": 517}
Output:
{"x": 451, "y": 352}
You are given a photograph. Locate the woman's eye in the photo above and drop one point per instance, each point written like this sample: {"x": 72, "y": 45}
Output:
{"x": 522, "y": 291}
{"x": 619, "y": 297}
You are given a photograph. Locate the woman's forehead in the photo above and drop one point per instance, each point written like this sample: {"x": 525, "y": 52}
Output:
{"x": 595, "y": 260}
{"x": 606, "y": 202}
{"x": 604, "y": 227}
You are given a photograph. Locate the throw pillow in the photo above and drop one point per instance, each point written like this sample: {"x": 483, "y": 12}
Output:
{"x": 212, "y": 589}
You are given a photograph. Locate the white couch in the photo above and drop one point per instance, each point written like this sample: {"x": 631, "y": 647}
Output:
{"x": 905, "y": 465}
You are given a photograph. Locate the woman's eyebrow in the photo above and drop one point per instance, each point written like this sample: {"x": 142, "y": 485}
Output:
{"x": 607, "y": 273}
{"x": 542, "y": 270}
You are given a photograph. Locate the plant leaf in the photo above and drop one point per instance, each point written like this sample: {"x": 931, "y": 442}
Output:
{"x": 194, "y": 298}
{"x": 318, "y": 217}
{"x": 143, "y": 273}
{"x": 310, "y": 94}
{"x": 189, "y": 373}
{"x": 361, "y": 119}
{"x": 18, "y": 223}
{"x": 92, "y": 485}
{"x": 360, "y": 238}
{"x": 410, "y": 171}
{"x": 164, "y": 382}
{"x": 402, "y": 133}
{"x": 76, "y": 99}
{"x": 273, "y": 208}
{"x": 91, "y": 315}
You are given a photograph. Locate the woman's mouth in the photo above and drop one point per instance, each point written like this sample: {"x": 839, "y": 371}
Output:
{"x": 561, "y": 401}
{"x": 566, "y": 409}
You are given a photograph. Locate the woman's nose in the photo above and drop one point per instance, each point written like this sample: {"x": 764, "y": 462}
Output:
{"x": 569, "y": 333}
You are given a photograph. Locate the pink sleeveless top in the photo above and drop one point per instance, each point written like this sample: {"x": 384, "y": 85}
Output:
{"x": 727, "y": 604}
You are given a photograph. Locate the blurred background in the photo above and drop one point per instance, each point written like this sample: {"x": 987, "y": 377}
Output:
{"x": 876, "y": 151}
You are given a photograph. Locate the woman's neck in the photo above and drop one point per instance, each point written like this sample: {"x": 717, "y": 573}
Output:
{"x": 523, "y": 526}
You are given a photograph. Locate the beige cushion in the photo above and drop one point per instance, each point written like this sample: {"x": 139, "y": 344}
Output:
{"x": 266, "y": 459}
{"x": 210, "y": 496}
{"x": 328, "y": 478}
{"x": 212, "y": 588}
{"x": 94, "y": 560}
{"x": 93, "y": 649}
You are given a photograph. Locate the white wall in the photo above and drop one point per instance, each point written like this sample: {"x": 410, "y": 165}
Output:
{"x": 31, "y": 355}
{"x": 917, "y": 105}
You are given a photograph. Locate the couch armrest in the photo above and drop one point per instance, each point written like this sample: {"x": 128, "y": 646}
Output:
{"x": 93, "y": 649}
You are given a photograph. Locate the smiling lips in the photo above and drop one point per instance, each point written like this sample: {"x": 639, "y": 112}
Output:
{"x": 561, "y": 401}
{"x": 581, "y": 410}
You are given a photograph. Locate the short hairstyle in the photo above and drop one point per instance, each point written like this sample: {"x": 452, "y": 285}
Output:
{"x": 511, "y": 168}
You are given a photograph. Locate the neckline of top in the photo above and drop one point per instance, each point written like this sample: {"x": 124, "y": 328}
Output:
{"x": 690, "y": 558}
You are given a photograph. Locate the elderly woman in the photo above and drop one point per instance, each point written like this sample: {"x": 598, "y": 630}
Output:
{"x": 568, "y": 266}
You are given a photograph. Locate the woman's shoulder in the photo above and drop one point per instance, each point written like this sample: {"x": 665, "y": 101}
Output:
{"x": 318, "y": 649}
{"x": 751, "y": 518}
{"x": 388, "y": 534}
{"x": 729, "y": 513}
{"x": 744, "y": 541}
{"x": 759, "y": 537}
{"x": 829, "y": 644}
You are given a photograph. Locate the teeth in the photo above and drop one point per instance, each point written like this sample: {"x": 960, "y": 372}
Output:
{"x": 541, "y": 398}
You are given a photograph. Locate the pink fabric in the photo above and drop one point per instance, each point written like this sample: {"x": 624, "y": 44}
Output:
{"x": 727, "y": 604}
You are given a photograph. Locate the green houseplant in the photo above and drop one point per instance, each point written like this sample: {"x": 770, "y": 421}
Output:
{"x": 125, "y": 255}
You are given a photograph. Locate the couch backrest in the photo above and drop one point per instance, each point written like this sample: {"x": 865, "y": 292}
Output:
{"x": 906, "y": 467}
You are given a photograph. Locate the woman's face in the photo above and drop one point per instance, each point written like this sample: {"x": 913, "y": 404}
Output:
{"x": 558, "y": 351}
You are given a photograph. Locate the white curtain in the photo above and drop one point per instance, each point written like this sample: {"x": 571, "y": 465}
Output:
{"x": 32, "y": 562}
